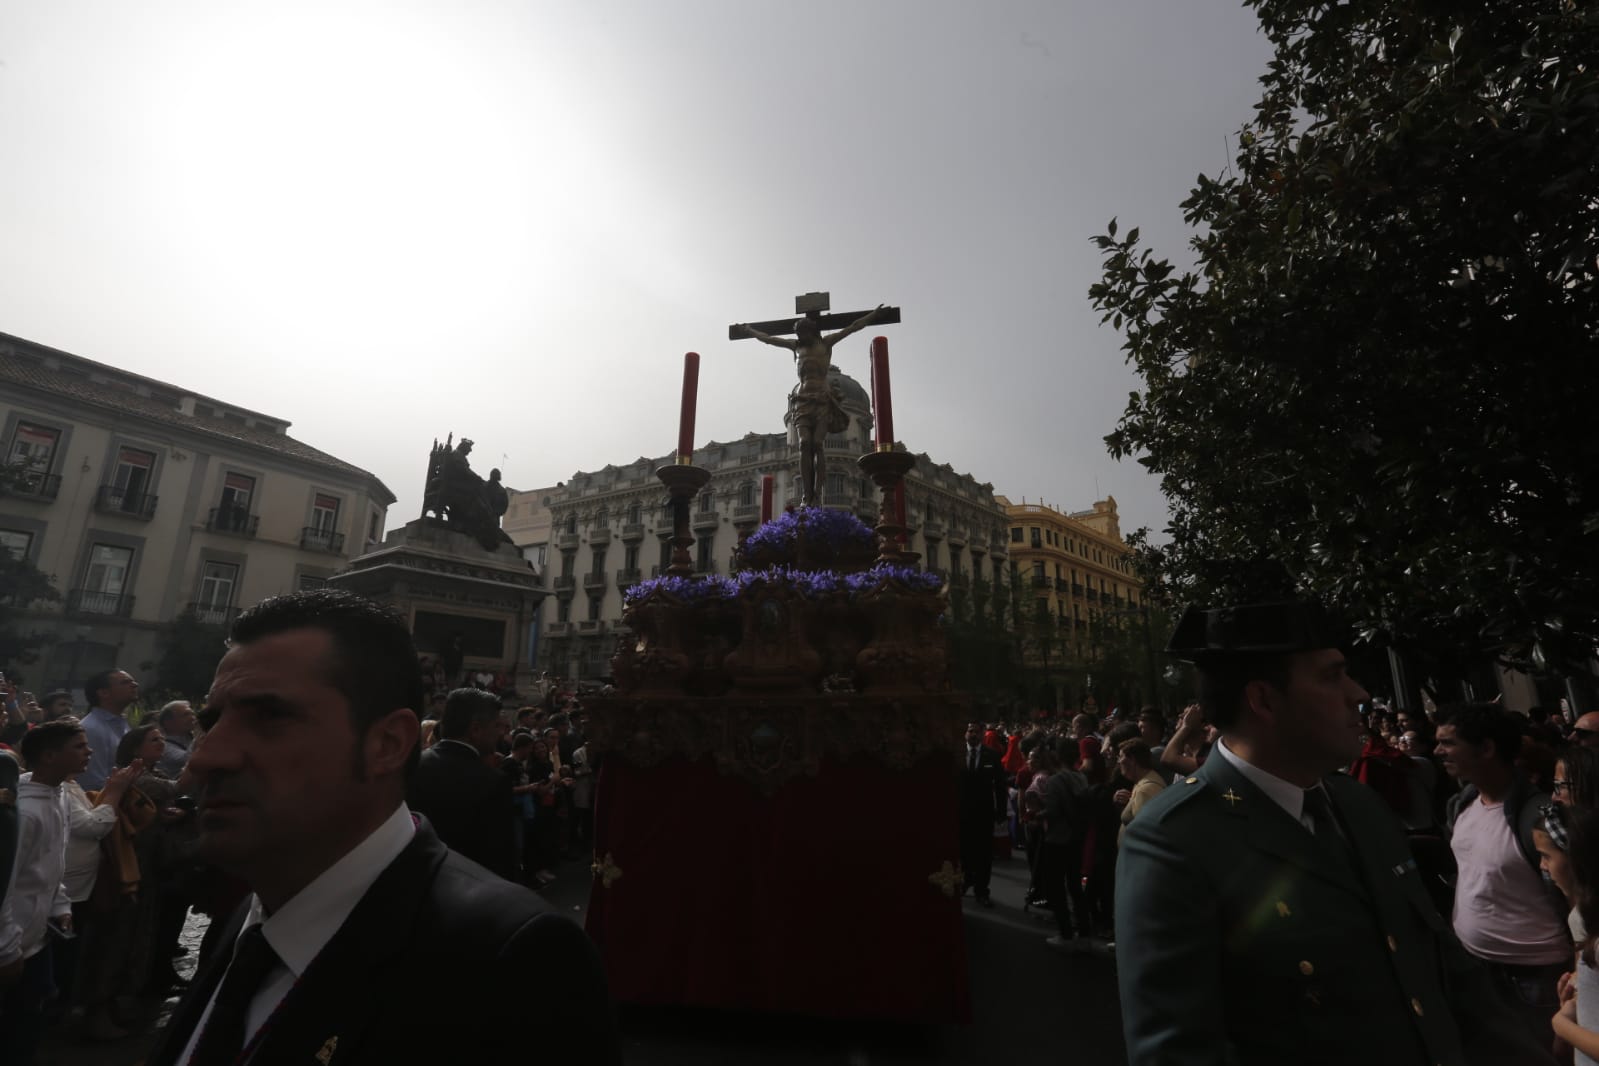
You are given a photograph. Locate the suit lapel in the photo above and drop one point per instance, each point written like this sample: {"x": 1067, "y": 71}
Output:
{"x": 175, "y": 1037}
{"x": 350, "y": 980}
{"x": 1271, "y": 829}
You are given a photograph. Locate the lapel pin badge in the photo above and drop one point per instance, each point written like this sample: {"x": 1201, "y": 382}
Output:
{"x": 1404, "y": 867}
{"x": 325, "y": 1056}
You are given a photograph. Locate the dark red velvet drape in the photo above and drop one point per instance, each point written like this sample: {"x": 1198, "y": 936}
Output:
{"x": 815, "y": 900}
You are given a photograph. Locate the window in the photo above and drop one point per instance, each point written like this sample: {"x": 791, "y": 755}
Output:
{"x": 633, "y": 515}
{"x": 217, "y": 582}
{"x": 324, "y": 513}
{"x": 33, "y": 447}
{"x": 599, "y": 562}
{"x": 603, "y": 519}
{"x": 954, "y": 560}
{"x": 571, "y": 523}
{"x": 1037, "y": 538}
{"x": 835, "y": 486}
{"x": 1015, "y": 534}
{"x": 1038, "y": 573}
{"x": 707, "y": 502}
{"x": 104, "y": 580}
{"x": 374, "y": 529}
{"x": 666, "y": 554}
{"x": 131, "y": 480}
{"x": 932, "y": 554}
{"x": 16, "y": 542}
{"x": 707, "y": 558}
{"x": 746, "y": 494}
{"x": 563, "y": 610}
{"x": 594, "y": 608}
{"x": 237, "y": 491}
{"x": 568, "y": 561}
{"x": 630, "y": 557}
{"x": 307, "y": 582}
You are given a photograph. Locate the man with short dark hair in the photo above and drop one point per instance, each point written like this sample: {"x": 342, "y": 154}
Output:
{"x": 53, "y": 752}
{"x": 1268, "y": 909}
{"x": 1585, "y": 730}
{"x": 57, "y": 704}
{"x": 1504, "y": 913}
{"x": 110, "y": 693}
{"x": 311, "y": 732}
{"x": 468, "y": 803}
{"x": 982, "y": 805}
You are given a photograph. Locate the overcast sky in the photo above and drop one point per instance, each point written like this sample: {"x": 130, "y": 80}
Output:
{"x": 386, "y": 222}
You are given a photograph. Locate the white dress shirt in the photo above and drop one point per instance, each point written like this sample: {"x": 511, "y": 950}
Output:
{"x": 1287, "y": 795}
{"x": 37, "y": 894}
{"x": 87, "y": 826}
{"x": 302, "y": 927}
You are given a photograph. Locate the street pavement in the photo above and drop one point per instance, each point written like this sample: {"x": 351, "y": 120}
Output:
{"x": 1029, "y": 1002}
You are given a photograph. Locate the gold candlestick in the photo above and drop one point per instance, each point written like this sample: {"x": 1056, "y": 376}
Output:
{"x": 683, "y": 482}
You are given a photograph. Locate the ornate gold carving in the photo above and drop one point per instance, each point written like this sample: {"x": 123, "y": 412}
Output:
{"x": 947, "y": 880}
{"x": 606, "y": 869}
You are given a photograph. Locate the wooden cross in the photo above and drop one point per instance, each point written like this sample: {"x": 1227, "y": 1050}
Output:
{"x": 813, "y": 305}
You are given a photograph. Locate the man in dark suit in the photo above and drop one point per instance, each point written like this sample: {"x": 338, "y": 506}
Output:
{"x": 468, "y": 804}
{"x": 1268, "y": 909}
{"x": 355, "y": 904}
{"x": 982, "y": 803}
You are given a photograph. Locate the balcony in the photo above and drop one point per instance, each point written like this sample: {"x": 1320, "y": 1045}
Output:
{"x": 321, "y": 540}
{"x": 568, "y": 542}
{"x": 565, "y": 585}
{"x": 112, "y": 500}
{"x": 707, "y": 519}
{"x": 594, "y": 582}
{"x": 233, "y": 521}
{"x": 746, "y": 512}
{"x": 633, "y": 531}
{"x": 1061, "y": 584}
{"x": 211, "y": 615}
{"x": 1093, "y": 595}
{"x": 99, "y": 604}
{"x": 838, "y": 499}
{"x": 933, "y": 531}
{"x": 599, "y": 536}
{"x": 556, "y": 630}
{"x": 1077, "y": 590}
{"x": 31, "y": 486}
{"x": 592, "y": 627}
{"x": 628, "y": 577}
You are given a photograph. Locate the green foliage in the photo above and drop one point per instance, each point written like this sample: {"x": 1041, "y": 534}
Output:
{"x": 190, "y": 651}
{"x": 21, "y": 584}
{"x": 1376, "y": 380}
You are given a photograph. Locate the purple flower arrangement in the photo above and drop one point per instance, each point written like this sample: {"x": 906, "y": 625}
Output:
{"x": 827, "y": 534}
{"x": 812, "y": 584}
{"x": 687, "y": 589}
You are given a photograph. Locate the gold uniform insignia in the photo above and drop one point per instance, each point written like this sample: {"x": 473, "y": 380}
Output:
{"x": 325, "y": 1056}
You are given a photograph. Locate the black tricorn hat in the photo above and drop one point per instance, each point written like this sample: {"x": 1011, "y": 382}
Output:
{"x": 1255, "y": 629}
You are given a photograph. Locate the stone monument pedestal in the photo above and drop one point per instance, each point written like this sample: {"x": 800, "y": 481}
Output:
{"x": 446, "y": 583}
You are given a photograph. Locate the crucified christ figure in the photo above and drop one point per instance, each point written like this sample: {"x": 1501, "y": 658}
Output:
{"x": 818, "y": 409}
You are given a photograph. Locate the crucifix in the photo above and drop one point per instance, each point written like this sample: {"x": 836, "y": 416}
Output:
{"x": 818, "y": 408}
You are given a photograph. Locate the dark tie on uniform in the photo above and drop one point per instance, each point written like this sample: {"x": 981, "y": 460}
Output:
{"x": 1329, "y": 834}
{"x": 223, "y": 1037}
{"x": 974, "y": 759}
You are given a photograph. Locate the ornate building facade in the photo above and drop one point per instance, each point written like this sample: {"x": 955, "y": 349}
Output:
{"x": 609, "y": 528}
{"x": 1074, "y": 565}
{"x": 143, "y": 500}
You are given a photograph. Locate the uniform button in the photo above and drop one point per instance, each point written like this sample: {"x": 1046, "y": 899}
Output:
{"x": 1393, "y": 945}
{"x": 1415, "y": 1005}
{"x": 1306, "y": 968}
{"x": 1190, "y": 780}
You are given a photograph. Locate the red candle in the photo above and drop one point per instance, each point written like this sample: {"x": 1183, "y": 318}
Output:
{"x": 685, "y": 424}
{"x": 881, "y": 403}
{"x": 766, "y": 498}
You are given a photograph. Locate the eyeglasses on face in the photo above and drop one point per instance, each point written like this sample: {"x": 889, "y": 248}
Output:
{"x": 1557, "y": 786}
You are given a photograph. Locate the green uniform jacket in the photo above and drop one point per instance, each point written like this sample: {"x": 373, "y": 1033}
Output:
{"x": 1241, "y": 938}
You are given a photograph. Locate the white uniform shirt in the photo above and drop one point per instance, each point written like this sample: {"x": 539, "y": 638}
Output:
{"x": 302, "y": 927}
{"x": 37, "y": 893}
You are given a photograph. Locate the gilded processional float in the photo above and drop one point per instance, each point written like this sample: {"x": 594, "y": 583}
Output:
{"x": 775, "y": 823}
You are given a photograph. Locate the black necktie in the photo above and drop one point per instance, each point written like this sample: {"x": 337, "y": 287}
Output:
{"x": 1328, "y": 832}
{"x": 223, "y": 1037}
{"x": 974, "y": 758}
